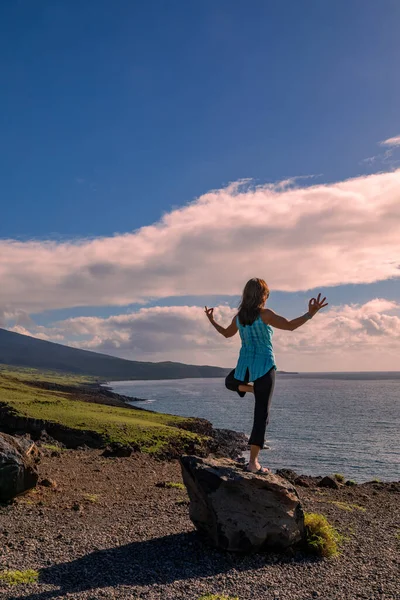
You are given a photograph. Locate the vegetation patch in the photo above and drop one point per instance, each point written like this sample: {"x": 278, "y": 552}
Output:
{"x": 171, "y": 484}
{"x": 339, "y": 477}
{"x": 52, "y": 448}
{"x": 151, "y": 432}
{"x": 19, "y": 577}
{"x": 359, "y": 507}
{"x": 342, "y": 505}
{"x": 27, "y": 501}
{"x": 321, "y": 537}
{"x": 28, "y": 374}
{"x": 182, "y": 502}
{"x": 93, "y": 498}
{"x": 348, "y": 506}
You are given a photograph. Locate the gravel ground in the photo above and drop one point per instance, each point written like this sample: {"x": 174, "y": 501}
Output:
{"x": 107, "y": 531}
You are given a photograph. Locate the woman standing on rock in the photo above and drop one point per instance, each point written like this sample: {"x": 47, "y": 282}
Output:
{"x": 256, "y": 361}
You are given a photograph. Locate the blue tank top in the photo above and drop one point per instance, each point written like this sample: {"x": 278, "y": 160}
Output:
{"x": 256, "y": 353}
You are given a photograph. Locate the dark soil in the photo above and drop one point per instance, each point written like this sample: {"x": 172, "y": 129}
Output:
{"x": 101, "y": 528}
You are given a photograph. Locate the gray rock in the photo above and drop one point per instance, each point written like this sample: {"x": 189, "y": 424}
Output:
{"x": 299, "y": 480}
{"x": 288, "y": 474}
{"x": 241, "y": 511}
{"x": 116, "y": 449}
{"x": 17, "y": 469}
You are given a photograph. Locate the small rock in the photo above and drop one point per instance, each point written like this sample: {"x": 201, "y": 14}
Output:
{"x": 329, "y": 482}
{"x": 77, "y": 507}
{"x": 50, "y": 483}
{"x": 117, "y": 449}
{"x": 287, "y": 474}
{"x": 301, "y": 482}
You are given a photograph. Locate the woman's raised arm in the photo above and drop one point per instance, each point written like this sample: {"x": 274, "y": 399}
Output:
{"x": 225, "y": 331}
{"x": 271, "y": 318}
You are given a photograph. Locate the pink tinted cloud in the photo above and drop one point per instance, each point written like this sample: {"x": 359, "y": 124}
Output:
{"x": 297, "y": 238}
{"x": 349, "y": 337}
{"x": 393, "y": 141}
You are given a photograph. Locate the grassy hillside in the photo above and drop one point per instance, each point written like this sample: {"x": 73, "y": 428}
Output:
{"x": 24, "y": 351}
{"x": 21, "y": 397}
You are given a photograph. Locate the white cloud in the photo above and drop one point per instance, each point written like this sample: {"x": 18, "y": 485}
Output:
{"x": 349, "y": 337}
{"x": 42, "y": 333}
{"x": 385, "y": 159}
{"x": 393, "y": 141}
{"x": 295, "y": 238}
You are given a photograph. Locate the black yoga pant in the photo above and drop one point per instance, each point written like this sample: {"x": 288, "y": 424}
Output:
{"x": 263, "y": 390}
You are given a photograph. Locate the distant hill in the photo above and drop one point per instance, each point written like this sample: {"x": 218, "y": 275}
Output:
{"x": 24, "y": 351}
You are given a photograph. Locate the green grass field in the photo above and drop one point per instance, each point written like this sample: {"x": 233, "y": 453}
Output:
{"x": 151, "y": 431}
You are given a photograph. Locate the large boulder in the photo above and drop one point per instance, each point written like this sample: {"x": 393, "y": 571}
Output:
{"x": 18, "y": 472}
{"x": 241, "y": 511}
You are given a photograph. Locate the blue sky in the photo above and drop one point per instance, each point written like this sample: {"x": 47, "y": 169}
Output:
{"x": 114, "y": 114}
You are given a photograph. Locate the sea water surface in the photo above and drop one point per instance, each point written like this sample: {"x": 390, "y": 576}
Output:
{"x": 320, "y": 423}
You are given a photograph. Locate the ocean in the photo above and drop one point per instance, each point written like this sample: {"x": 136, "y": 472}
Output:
{"x": 320, "y": 423}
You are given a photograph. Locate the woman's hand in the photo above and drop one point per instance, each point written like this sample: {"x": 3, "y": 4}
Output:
{"x": 225, "y": 331}
{"x": 209, "y": 312}
{"x": 315, "y": 304}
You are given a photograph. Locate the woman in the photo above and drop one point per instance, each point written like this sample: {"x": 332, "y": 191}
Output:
{"x": 256, "y": 361}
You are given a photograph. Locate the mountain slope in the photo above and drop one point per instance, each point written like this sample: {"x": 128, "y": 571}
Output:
{"x": 24, "y": 351}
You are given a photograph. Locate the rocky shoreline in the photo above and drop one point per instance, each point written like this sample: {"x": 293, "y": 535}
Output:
{"x": 99, "y": 527}
{"x": 220, "y": 442}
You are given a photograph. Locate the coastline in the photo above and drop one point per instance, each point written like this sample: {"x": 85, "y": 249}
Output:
{"x": 77, "y": 412}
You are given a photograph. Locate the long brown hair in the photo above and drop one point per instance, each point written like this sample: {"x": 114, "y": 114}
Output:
{"x": 254, "y": 296}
